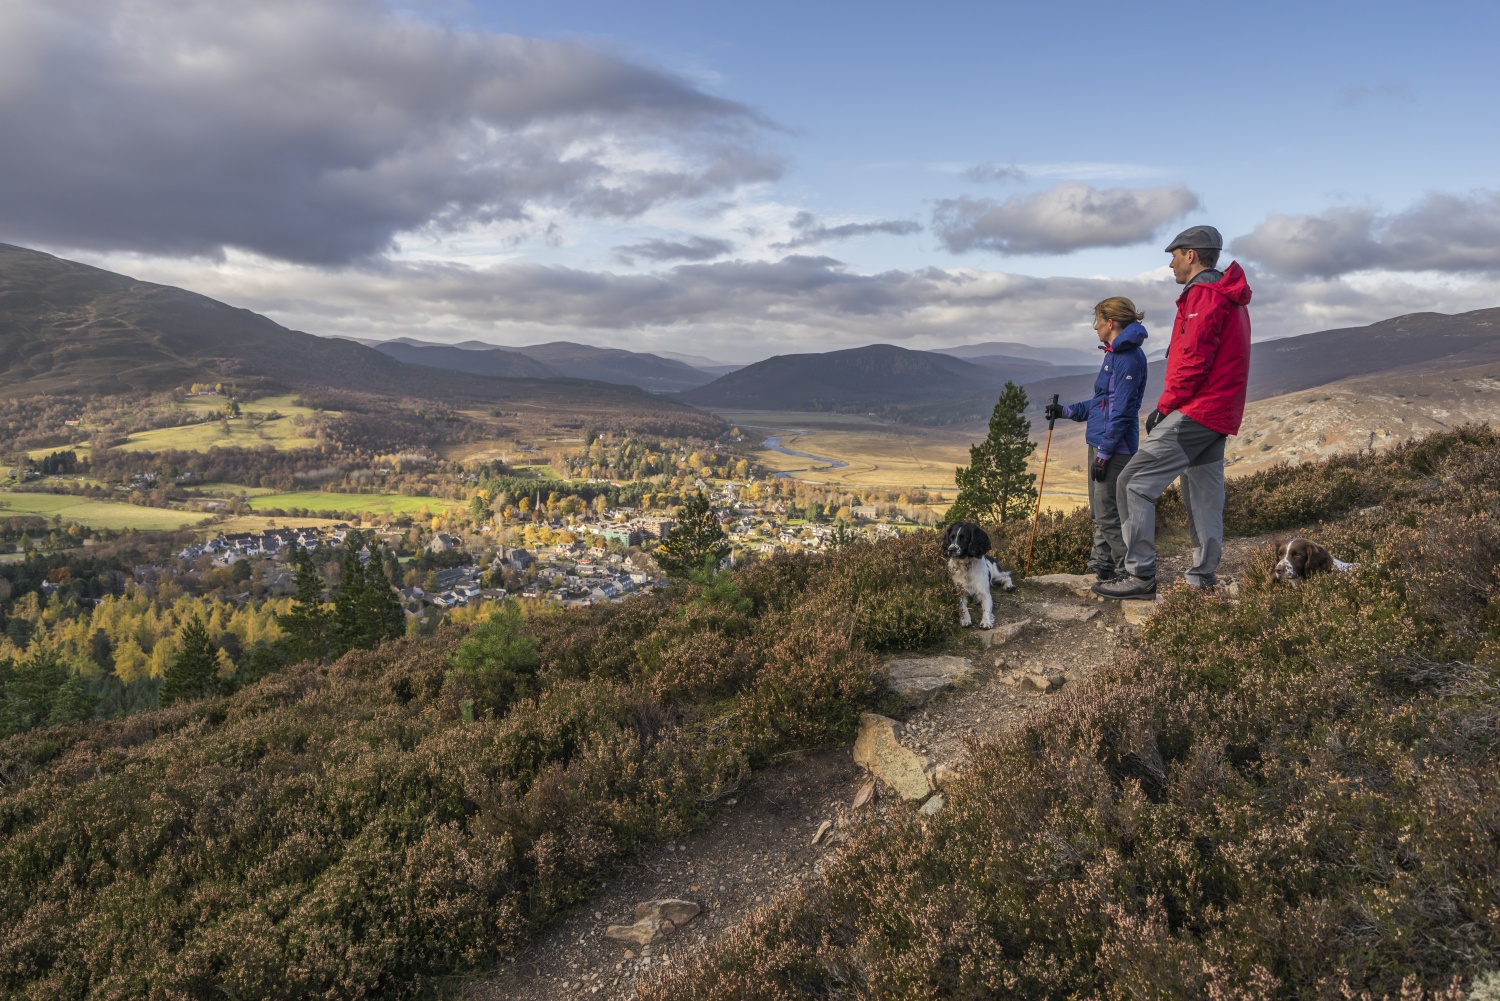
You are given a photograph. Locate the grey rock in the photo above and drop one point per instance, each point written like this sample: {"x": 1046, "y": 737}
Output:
{"x": 920, "y": 678}
{"x": 933, "y": 805}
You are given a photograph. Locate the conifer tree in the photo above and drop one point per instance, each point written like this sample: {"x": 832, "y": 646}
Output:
{"x": 348, "y": 604}
{"x": 381, "y": 617}
{"x": 695, "y": 540}
{"x": 995, "y": 487}
{"x": 306, "y": 625}
{"x": 191, "y": 673}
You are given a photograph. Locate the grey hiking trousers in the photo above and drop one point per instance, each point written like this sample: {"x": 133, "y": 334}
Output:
{"x": 1109, "y": 541}
{"x": 1179, "y": 446}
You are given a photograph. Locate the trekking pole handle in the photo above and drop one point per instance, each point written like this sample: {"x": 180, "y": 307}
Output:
{"x": 1052, "y": 421}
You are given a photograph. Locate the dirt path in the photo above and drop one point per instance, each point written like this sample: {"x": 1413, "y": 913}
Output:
{"x": 761, "y": 846}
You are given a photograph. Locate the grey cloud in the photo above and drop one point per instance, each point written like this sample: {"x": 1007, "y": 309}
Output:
{"x": 696, "y": 248}
{"x": 982, "y": 173}
{"x": 319, "y": 132}
{"x": 1067, "y": 217}
{"x": 1443, "y": 232}
{"x": 810, "y": 232}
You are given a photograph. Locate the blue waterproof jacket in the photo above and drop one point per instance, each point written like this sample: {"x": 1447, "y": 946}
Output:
{"x": 1114, "y": 412}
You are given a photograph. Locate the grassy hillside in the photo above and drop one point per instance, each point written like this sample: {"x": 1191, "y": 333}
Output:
{"x": 1292, "y": 795}
{"x": 95, "y": 513}
{"x": 67, "y": 328}
{"x": 361, "y": 828}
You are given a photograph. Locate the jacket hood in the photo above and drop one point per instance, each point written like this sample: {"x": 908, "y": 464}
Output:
{"x": 1128, "y": 339}
{"x": 1232, "y": 286}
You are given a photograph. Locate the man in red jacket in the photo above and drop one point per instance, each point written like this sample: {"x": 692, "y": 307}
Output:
{"x": 1208, "y": 365}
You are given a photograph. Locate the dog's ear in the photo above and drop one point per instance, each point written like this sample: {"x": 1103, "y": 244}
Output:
{"x": 979, "y": 541}
{"x": 1318, "y": 561}
{"x": 948, "y": 534}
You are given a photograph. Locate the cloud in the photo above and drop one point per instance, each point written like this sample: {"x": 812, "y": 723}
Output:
{"x": 320, "y": 132}
{"x": 810, "y": 232}
{"x": 982, "y": 173}
{"x": 696, "y": 248}
{"x": 1442, "y": 232}
{"x": 1070, "y": 216}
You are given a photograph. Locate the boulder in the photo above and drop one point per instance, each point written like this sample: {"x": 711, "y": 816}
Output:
{"x": 933, "y": 805}
{"x": 1079, "y": 583}
{"x": 1137, "y": 612}
{"x": 1069, "y": 613}
{"x": 1003, "y": 633}
{"x": 878, "y": 749}
{"x": 654, "y": 919}
{"x": 920, "y": 678}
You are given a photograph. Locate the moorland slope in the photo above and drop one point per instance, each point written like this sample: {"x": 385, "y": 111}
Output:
{"x": 68, "y": 328}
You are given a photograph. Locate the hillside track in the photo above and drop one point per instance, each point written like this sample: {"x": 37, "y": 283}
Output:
{"x": 759, "y": 847}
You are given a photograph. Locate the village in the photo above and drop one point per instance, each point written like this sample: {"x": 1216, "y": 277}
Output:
{"x": 566, "y": 561}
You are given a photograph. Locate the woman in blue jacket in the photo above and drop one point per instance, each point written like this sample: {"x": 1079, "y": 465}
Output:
{"x": 1113, "y": 416}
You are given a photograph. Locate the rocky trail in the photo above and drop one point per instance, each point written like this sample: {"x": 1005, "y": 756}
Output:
{"x": 1050, "y": 633}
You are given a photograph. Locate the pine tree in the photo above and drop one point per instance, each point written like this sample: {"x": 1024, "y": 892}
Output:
{"x": 349, "y": 603}
{"x": 306, "y": 625}
{"x": 381, "y": 617}
{"x": 191, "y": 673}
{"x": 695, "y": 540}
{"x": 995, "y": 487}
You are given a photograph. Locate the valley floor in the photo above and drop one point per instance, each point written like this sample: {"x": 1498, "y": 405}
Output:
{"x": 760, "y": 847}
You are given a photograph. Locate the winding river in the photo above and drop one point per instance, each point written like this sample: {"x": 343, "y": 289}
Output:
{"x": 775, "y": 445}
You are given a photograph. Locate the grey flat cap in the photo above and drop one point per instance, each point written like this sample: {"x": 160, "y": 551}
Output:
{"x": 1197, "y": 238}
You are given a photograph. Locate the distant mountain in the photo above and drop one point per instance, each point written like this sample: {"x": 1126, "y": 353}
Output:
{"x": 480, "y": 361}
{"x": 1017, "y": 350}
{"x": 634, "y": 368}
{"x": 874, "y": 378}
{"x": 67, "y": 327}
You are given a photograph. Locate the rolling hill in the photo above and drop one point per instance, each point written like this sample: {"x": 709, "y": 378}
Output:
{"x": 68, "y": 328}
{"x": 869, "y": 377}
{"x": 554, "y": 360}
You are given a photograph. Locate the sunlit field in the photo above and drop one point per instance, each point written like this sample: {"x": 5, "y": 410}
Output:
{"x": 96, "y": 513}
{"x": 319, "y": 501}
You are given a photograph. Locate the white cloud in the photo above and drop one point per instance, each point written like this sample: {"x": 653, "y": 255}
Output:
{"x": 1067, "y": 217}
{"x": 321, "y": 132}
{"x": 1442, "y": 232}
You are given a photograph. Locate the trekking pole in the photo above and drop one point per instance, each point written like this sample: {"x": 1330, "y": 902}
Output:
{"x": 1041, "y": 485}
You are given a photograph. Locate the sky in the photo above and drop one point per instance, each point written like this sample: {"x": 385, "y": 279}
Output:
{"x": 733, "y": 181}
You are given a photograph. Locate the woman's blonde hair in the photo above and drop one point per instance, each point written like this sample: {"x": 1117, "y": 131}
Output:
{"x": 1119, "y": 309}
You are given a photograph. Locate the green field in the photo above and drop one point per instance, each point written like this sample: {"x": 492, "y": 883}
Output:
{"x": 317, "y": 500}
{"x": 96, "y": 513}
{"x": 281, "y": 432}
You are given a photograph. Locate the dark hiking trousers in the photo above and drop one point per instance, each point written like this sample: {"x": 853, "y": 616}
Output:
{"x": 1109, "y": 540}
{"x": 1179, "y": 446}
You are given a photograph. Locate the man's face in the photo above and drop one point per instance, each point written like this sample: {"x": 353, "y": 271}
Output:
{"x": 1184, "y": 262}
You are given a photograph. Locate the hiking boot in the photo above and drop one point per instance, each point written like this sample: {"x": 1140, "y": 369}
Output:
{"x": 1126, "y": 586}
{"x": 1101, "y": 571}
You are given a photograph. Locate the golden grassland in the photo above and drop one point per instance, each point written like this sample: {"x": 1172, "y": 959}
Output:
{"x": 883, "y": 454}
{"x": 96, "y": 513}
{"x": 249, "y": 430}
{"x": 381, "y": 504}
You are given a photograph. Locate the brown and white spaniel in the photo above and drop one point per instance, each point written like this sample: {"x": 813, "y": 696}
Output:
{"x": 1302, "y": 558}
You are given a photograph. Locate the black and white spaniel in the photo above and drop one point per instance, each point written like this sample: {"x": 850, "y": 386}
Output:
{"x": 967, "y": 547}
{"x": 1301, "y": 559}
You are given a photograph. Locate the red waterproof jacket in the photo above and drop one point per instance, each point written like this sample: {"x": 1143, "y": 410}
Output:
{"x": 1208, "y": 361}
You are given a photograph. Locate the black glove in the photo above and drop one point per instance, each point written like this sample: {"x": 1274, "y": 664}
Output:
{"x": 1099, "y": 468}
{"x": 1153, "y": 420}
{"x": 1054, "y": 411}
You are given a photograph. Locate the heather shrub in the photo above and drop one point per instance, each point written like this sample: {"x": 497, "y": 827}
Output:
{"x": 1294, "y": 795}
{"x": 358, "y": 828}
